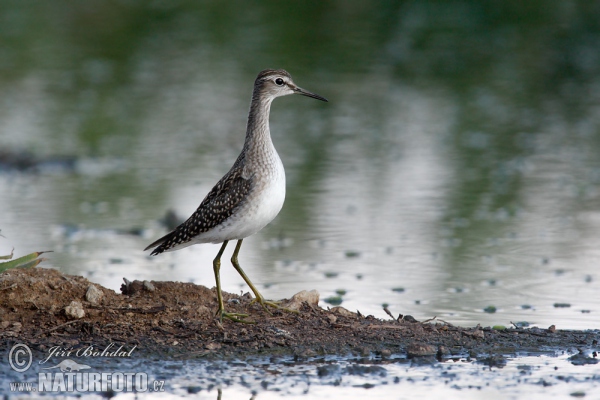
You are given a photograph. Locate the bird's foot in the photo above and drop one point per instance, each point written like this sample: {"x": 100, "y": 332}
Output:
{"x": 235, "y": 317}
{"x": 271, "y": 303}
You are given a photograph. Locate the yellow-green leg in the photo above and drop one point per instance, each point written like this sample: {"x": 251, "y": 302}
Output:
{"x": 221, "y": 311}
{"x": 258, "y": 297}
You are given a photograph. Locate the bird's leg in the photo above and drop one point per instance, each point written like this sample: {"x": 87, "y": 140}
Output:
{"x": 258, "y": 297}
{"x": 221, "y": 311}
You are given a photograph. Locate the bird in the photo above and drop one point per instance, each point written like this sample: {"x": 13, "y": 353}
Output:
{"x": 248, "y": 197}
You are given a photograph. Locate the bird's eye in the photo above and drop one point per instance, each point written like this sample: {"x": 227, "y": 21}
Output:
{"x": 279, "y": 82}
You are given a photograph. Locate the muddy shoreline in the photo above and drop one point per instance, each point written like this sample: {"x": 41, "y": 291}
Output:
{"x": 45, "y": 309}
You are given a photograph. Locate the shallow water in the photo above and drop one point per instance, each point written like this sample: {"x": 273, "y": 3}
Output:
{"x": 536, "y": 377}
{"x": 454, "y": 170}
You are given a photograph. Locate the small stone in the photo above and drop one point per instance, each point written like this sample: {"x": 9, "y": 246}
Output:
{"x": 16, "y": 327}
{"x": 420, "y": 350}
{"x": 295, "y": 303}
{"x": 494, "y": 360}
{"x": 552, "y": 328}
{"x": 149, "y": 286}
{"x": 478, "y": 333}
{"x": 308, "y": 353}
{"x": 332, "y": 318}
{"x": 409, "y": 318}
{"x": 4, "y": 324}
{"x": 93, "y": 294}
{"x": 75, "y": 310}
{"x": 212, "y": 346}
{"x": 342, "y": 311}
{"x": 203, "y": 310}
{"x": 386, "y": 353}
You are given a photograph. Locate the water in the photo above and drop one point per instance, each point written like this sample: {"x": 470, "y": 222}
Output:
{"x": 537, "y": 377}
{"x": 335, "y": 377}
{"x": 455, "y": 167}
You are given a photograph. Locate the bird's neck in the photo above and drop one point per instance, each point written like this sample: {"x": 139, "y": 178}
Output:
{"x": 258, "y": 135}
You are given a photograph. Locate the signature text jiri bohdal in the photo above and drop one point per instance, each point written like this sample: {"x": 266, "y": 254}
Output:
{"x": 91, "y": 351}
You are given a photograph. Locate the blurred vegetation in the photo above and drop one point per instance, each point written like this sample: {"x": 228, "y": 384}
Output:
{"x": 509, "y": 67}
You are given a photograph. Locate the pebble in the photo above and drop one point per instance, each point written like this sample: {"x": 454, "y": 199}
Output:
{"x": 75, "y": 310}
{"x": 420, "y": 350}
{"x": 295, "y": 303}
{"x": 203, "y": 310}
{"x": 343, "y": 311}
{"x": 365, "y": 351}
{"x": 93, "y": 294}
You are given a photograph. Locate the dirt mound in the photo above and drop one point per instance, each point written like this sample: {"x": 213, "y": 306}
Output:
{"x": 45, "y": 308}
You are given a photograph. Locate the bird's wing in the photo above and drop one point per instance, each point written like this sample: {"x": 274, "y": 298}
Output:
{"x": 218, "y": 205}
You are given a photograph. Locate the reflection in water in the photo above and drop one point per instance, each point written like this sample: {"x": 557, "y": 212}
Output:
{"x": 457, "y": 160}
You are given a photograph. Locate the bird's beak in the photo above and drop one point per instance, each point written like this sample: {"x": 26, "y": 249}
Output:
{"x": 303, "y": 92}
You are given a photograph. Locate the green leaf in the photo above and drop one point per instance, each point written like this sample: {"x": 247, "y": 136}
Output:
{"x": 28, "y": 261}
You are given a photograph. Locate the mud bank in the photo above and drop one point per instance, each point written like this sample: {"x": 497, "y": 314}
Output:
{"x": 45, "y": 308}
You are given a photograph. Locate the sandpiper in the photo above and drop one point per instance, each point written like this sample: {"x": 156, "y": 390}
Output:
{"x": 249, "y": 196}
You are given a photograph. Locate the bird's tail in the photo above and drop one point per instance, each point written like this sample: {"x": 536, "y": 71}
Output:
{"x": 157, "y": 243}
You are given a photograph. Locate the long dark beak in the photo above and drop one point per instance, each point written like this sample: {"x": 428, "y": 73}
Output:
{"x": 303, "y": 92}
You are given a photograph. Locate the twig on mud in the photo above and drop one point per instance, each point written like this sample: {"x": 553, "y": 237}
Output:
{"x": 388, "y": 312}
{"x": 338, "y": 325}
{"x": 14, "y": 285}
{"x": 219, "y": 325}
{"x": 521, "y": 330}
{"x": 163, "y": 330}
{"x": 61, "y": 326}
{"x": 435, "y": 318}
{"x": 152, "y": 310}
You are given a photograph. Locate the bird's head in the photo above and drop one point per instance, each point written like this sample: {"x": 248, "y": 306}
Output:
{"x": 278, "y": 82}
